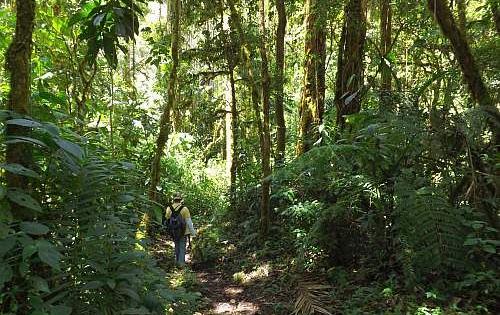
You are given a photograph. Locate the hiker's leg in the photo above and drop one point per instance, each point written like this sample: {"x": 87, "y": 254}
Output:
{"x": 177, "y": 251}
{"x": 182, "y": 251}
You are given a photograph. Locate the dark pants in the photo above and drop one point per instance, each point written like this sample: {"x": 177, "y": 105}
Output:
{"x": 180, "y": 250}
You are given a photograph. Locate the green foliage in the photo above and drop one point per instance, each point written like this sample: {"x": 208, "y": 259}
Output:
{"x": 436, "y": 243}
{"x": 104, "y": 24}
{"x": 374, "y": 199}
{"x": 81, "y": 254}
{"x": 207, "y": 249}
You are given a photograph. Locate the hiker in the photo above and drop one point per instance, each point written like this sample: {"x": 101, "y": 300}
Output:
{"x": 180, "y": 227}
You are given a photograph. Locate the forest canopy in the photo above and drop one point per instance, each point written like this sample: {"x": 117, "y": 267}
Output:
{"x": 337, "y": 157}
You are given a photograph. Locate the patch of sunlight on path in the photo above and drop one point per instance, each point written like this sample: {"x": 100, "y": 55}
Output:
{"x": 223, "y": 297}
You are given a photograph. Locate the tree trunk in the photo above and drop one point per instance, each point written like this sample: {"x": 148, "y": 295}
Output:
{"x": 18, "y": 59}
{"x": 312, "y": 103}
{"x": 385, "y": 49}
{"x": 462, "y": 19}
{"x": 349, "y": 79}
{"x": 442, "y": 13}
{"x": 262, "y": 124}
{"x": 266, "y": 145}
{"x": 231, "y": 134}
{"x": 247, "y": 63}
{"x": 280, "y": 65}
{"x": 496, "y": 15}
{"x": 443, "y": 16}
{"x": 171, "y": 96}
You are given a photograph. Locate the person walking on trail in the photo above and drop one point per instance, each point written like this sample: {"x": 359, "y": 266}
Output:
{"x": 180, "y": 227}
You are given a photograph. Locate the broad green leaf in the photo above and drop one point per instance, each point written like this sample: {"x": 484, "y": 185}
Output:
{"x": 489, "y": 248}
{"x": 471, "y": 241}
{"x": 5, "y": 215}
{"x": 52, "y": 98}
{"x": 20, "y": 170}
{"x": 60, "y": 310}
{"x": 52, "y": 129}
{"x": 19, "y": 197}
{"x": 34, "y": 228}
{"x": 111, "y": 283}
{"x": 125, "y": 198}
{"x": 130, "y": 293}
{"x": 4, "y": 115}
{"x": 6, "y": 245}
{"x": 4, "y": 230}
{"x": 99, "y": 18}
{"x": 5, "y": 273}
{"x": 75, "y": 18}
{"x": 29, "y": 250}
{"x": 110, "y": 50}
{"x": 24, "y": 268}
{"x": 3, "y": 192}
{"x": 40, "y": 284}
{"x": 48, "y": 254}
{"x": 22, "y": 139}
{"x": 24, "y": 122}
{"x": 70, "y": 147}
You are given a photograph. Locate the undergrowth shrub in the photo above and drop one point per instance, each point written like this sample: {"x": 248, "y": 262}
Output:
{"x": 76, "y": 252}
{"x": 389, "y": 196}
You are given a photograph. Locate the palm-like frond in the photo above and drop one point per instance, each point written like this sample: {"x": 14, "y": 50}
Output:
{"x": 312, "y": 298}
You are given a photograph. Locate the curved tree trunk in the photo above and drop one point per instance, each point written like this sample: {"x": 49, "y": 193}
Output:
{"x": 442, "y": 13}
{"x": 266, "y": 145}
{"x": 462, "y": 18}
{"x": 280, "y": 65}
{"x": 18, "y": 59}
{"x": 261, "y": 122}
{"x": 496, "y": 16}
{"x": 312, "y": 102}
{"x": 443, "y": 16}
{"x": 171, "y": 96}
{"x": 385, "y": 49}
{"x": 231, "y": 133}
{"x": 350, "y": 68}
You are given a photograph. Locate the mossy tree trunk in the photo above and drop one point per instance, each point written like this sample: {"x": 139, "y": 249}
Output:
{"x": 443, "y": 16}
{"x": 462, "y": 17}
{"x": 496, "y": 14}
{"x": 165, "y": 119}
{"x": 312, "y": 102}
{"x": 231, "y": 117}
{"x": 266, "y": 145}
{"x": 231, "y": 134}
{"x": 18, "y": 59}
{"x": 350, "y": 66}
{"x": 258, "y": 95}
{"x": 279, "y": 82}
{"x": 385, "y": 49}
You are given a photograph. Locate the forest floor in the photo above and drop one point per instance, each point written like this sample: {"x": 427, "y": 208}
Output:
{"x": 221, "y": 295}
{"x": 226, "y": 286}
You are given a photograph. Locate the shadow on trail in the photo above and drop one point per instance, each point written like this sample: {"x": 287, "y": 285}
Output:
{"x": 223, "y": 296}
{"x": 228, "y": 288}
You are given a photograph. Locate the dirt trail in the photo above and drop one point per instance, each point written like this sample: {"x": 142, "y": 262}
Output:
{"x": 223, "y": 296}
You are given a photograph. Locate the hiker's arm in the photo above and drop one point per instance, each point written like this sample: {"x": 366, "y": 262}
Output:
{"x": 190, "y": 226}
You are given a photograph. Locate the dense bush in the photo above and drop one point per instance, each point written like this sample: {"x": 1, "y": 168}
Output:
{"x": 383, "y": 199}
{"x": 77, "y": 250}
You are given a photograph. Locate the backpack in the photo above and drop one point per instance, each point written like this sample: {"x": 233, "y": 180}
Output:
{"x": 176, "y": 224}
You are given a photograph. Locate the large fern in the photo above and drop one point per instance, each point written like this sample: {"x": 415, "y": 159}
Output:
{"x": 429, "y": 229}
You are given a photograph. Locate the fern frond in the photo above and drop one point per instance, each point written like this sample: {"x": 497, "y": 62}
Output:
{"x": 312, "y": 297}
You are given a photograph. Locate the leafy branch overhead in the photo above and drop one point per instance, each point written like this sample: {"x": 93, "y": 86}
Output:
{"x": 102, "y": 26}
